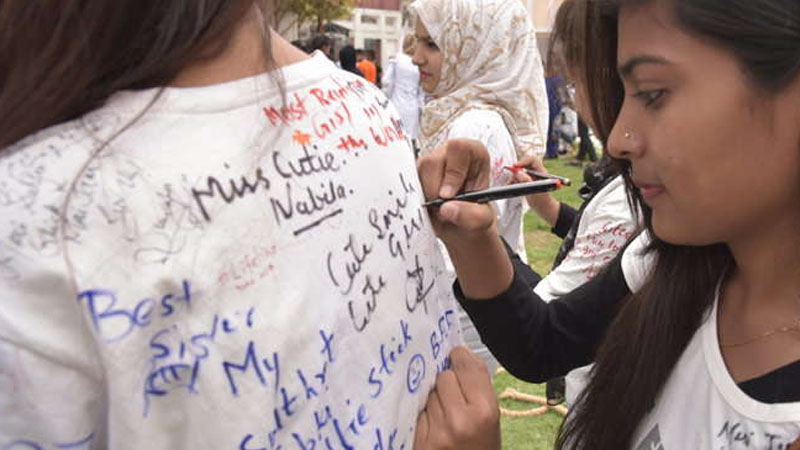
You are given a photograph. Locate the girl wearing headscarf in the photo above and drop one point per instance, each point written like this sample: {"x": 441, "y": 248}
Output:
{"x": 479, "y": 61}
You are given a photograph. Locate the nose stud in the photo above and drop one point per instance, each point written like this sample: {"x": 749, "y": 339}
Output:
{"x": 627, "y": 135}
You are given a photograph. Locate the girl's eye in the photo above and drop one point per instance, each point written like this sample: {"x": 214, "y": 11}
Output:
{"x": 650, "y": 97}
{"x": 431, "y": 45}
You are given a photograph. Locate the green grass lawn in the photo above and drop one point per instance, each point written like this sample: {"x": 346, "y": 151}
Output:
{"x": 537, "y": 432}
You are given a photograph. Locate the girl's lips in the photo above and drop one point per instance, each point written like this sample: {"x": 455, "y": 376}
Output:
{"x": 649, "y": 191}
{"x": 423, "y": 74}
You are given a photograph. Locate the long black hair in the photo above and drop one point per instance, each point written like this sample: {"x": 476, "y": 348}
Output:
{"x": 654, "y": 326}
{"x": 60, "y": 59}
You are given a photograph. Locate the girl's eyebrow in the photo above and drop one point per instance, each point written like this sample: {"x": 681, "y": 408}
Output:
{"x": 625, "y": 70}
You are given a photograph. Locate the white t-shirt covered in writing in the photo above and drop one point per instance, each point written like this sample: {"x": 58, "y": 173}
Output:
{"x": 236, "y": 269}
{"x": 605, "y": 226}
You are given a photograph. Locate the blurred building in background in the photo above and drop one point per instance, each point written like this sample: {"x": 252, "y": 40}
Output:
{"x": 380, "y": 25}
{"x": 543, "y": 13}
{"x": 376, "y": 25}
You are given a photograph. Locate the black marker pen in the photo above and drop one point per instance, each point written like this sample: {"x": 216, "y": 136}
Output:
{"x": 501, "y": 192}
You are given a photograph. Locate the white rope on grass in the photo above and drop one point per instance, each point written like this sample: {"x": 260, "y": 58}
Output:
{"x": 513, "y": 394}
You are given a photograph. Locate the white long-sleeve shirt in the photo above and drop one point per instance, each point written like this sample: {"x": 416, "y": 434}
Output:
{"x": 401, "y": 85}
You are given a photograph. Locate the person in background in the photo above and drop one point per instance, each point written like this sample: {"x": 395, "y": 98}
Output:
{"x": 553, "y": 84}
{"x": 401, "y": 85}
{"x": 322, "y": 43}
{"x": 566, "y": 128}
{"x": 595, "y": 233}
{"x": 347, "y": 60}
{"x": 586, "y": 149}
{"x": 300, "y": 45}
{"x": 366, "y": 66}
{"x": 378, "y": 68}
{"x": 592, "y": 236}
{"x": 479, "y": 61}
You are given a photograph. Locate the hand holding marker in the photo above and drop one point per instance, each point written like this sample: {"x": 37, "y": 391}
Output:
{"x": 535, "y": 174}
{"x": 549, "y": 183}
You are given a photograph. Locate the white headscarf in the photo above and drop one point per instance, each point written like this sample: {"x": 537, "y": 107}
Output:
{"x": 490, "y": 61}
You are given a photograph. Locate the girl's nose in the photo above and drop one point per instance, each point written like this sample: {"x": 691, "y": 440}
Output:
{"x": 417, "y": 58}
{"x": 624, "y": 142}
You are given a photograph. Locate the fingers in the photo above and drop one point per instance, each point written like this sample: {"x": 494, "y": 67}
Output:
{"x": 449, "y": 421}
{"x": 459, "y": 165}
{"x": 434, "y": 407}
{"x": 473, "y": 377}
{"x": 422, "y": 432}
{"x": 429, "y": 424}
{"x": 466, "y": 167}
{"x": 522, "y": 177}
{"x": 430, "y": 169}
{"x": 470, "y": 217}
{"x": 450, "y": 391}
{"x": 531, "y": 162}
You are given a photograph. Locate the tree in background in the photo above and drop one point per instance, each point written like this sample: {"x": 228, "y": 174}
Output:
{"x": 296, "y": 13}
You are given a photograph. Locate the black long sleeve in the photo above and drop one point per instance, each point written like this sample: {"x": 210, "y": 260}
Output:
{"x": 565, "y": 220}
{"x": 535, "y": 340}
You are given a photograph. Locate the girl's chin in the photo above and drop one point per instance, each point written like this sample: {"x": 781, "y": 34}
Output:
{"x": 680, "y": 234}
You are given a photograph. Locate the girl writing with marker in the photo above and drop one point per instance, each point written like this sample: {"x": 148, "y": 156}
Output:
{"x": 479, "y": 61}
